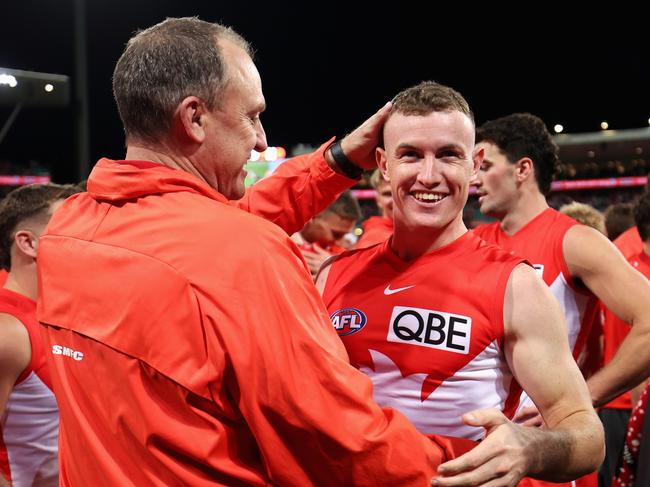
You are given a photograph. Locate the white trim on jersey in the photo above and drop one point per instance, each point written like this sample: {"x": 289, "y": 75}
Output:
{"x": 483, "y": 383}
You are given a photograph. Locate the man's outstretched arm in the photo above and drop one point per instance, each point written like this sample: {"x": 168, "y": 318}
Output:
{"x": 601, "y": 267}
{"x": 537, "y": 350}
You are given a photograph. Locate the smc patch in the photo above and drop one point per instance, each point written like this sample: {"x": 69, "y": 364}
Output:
{"x": 347, "y": 321}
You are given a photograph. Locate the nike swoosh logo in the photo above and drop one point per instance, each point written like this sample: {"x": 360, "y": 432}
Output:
{"x": 388, "y": 291}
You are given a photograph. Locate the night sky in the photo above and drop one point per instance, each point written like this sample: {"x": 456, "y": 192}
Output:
{"x": 324, "y": 70}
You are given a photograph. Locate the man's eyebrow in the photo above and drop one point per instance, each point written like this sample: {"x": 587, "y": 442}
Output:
{"x": 405, "y": 145}
{"x": 455, "y": 147}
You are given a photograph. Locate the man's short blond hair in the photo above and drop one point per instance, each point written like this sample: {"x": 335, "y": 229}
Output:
{"x": 585, "y": 214}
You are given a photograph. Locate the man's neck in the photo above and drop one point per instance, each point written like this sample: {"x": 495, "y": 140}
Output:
{"x": 411, "y": 243}
{"x": 139, "y": 151}
{"x": 24, "y": 282}
{"x": 524, "y": 210}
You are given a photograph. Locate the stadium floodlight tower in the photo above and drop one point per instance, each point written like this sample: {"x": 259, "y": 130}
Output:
{"x": 28, "y": 88}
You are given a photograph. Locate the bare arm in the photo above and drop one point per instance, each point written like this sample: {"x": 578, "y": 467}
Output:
{"x": 15, "y": 354}
{"x": 601, "y": 267}
{"x": 538, "y": 352}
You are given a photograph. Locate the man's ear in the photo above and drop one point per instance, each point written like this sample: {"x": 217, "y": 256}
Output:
{"x": 382, "y": 162}
{"x": 524, "y": 169}
{"x": 190, "y": 119}
{"x": 26, "y": 242}
{"x": 477, "y": 159}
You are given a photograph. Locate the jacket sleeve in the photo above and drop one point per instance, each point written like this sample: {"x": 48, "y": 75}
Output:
{"x": 310, "y": 411}
{"x": 299, "y": 189}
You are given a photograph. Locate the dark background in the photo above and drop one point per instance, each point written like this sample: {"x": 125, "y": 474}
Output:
{"x": 325, "y": 69}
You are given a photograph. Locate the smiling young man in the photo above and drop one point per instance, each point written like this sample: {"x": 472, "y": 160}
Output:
{"x": 446, "y": 324}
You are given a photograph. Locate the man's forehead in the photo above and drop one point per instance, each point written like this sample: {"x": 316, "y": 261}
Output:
{"x": 444, "y": 128}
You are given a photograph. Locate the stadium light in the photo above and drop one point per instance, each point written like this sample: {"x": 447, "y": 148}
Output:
{"x": 7, "y": 79}
{"x": 30, "y": 88}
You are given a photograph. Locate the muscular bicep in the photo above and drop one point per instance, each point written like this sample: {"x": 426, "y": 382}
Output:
{"x": 537, "y": 348}
{"x": 601, "y": 267}
{"x": 15, "y": 354}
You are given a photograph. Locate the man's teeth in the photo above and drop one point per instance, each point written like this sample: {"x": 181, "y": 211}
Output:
{"x": 428, "y": 196}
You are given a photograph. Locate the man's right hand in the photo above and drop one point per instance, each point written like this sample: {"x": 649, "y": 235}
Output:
{"x": 502, "y": 458}
{"x": 359, "y": 145}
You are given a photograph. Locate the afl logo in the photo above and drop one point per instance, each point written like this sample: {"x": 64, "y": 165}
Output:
{"x": 348, "y": 320}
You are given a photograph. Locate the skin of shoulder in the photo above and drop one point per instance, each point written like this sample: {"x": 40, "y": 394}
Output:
{"x": 601, "y": 267}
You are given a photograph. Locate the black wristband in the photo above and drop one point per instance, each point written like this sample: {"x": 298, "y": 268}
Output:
{"x": 348, "y": 168}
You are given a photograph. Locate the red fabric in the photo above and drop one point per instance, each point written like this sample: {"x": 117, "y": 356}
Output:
{"x": 589, "y": 480}
{"x": 420, "y": 334}
{"x": 4, "y": 459}
{"x": 24, "y": 309}
{"x": 629, "y": 242}
{"x": 212, "y": 344}
{"x": 30, "y": 429}
{"x": 615, "y": 330}
{"x": 540, "y": 241}
{"x": 376, "y": 229}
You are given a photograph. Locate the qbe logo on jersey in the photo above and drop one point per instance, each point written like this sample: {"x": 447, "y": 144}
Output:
{"x": 430, "y": 328}
{"x": 348, "y": 320}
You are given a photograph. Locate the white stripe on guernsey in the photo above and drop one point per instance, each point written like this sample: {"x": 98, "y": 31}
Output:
{"x": 482, "y": 383}
{"x": 30, "y": 428}
{"x": 573, "y": 304}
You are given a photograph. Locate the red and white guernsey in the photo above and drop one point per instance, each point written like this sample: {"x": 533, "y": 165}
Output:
{"x": 30, "y": 425}
{"x": 540, "y": 241}
{"x": 428, "y": 332}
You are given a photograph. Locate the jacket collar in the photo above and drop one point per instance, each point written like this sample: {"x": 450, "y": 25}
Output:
{"x": 124, "y": 180}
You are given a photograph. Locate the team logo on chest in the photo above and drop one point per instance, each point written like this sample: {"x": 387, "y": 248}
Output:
{"x": 430, "y": 328}
{"x": 348, "y": 320}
